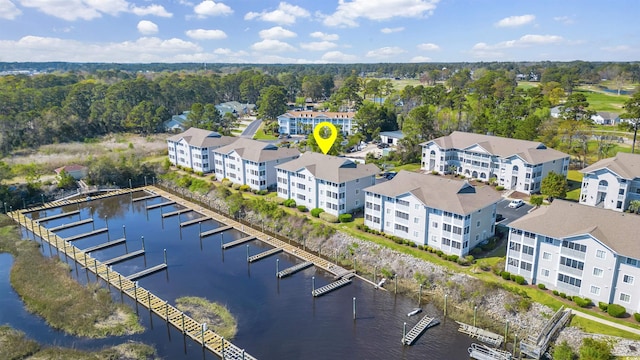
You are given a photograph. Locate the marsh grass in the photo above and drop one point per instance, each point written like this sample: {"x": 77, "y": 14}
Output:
{"x": 215, "y": 315}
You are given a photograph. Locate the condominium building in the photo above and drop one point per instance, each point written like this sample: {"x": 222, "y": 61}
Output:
{"x": 518, "y": 165}
{"x": 303, "y": 122}
{"x": 578, "y": 250}
{"x": 251, "y": 162}
{"x": 612, "y": 183}
{"x": 193, "y": 149}
{"x": 332, "y": 183}
{"x": 446, "y": 214}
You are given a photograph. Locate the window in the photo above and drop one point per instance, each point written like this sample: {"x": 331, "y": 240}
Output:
{"x": 514, "y": 262}
{"x": 625, "y": 297}
{"x": 594, "y": 290}
{"x": 546, "y": 256}
{"x": 574, "y": 246}
{"x": 446, "y": 227}
{"x": 416, "y": 234}
{"x": 455, "y": 244}
{"x": 597, "y": 272}
{"x": 401, "y": 228}
{"x": 632, "y": 262}
{"x": 416, "y": 220}
{"x": 545, "y": 272}
{"x": 434, "y": 224}
{"x": 525, "y": 266}
{"x": 446, "y": 242}
{"x": 402, "y": 202}
{"x": 402, "y": 215}
{"x": 627, "y": 279}
{"x": 527, "y": 250}
{"x": 571, "y": 263}
{"x": 601, "y": 254}
{"x": 569, "y": 280}
{"x": 478, "y": 224}
{"x": 514, "y": 246}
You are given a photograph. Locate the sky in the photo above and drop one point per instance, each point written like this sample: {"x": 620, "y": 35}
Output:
{"x": 318, "y": 31}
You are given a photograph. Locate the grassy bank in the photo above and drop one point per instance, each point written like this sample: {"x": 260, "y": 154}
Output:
{"x": 217, "y": 317}
{"x": 15, "y": 345}
{"x": 47, "y": 289}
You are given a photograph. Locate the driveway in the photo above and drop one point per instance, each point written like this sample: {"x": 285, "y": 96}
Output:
{"x": 510, "y": 214}
{"x": 251, "y": 129}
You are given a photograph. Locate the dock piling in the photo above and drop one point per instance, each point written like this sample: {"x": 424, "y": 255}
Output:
{"x": 475, "y": 312}
{"x": 506, "y": 333}
{"x": 247, "y": 252}
{"x": 142, "y": 238}
{"x": 354, "y": 308}
{"x": 445, "y": 304}
{"x": 277, "y": 266}
{"x": 404, "y": 332}
{"x": 395, "y": 278}
{"x": 165, "y": 256}
{"x": 313, "y": 284}
{"x": 420, "y": 295}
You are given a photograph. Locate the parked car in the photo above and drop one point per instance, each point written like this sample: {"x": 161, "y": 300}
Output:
{"x": 514, "y": 204}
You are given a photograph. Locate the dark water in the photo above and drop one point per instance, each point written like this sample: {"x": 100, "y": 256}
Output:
{"x": 277, "y": 318}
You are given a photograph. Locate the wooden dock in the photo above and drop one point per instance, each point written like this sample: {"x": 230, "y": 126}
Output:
{"x": 194, "y": 221}
{"x": 294, "y": 269}
{"x": 124, "y": 257}
{"x": 84, "y": 235}
{"x": 215, "y": 231}
{"x": 177, "y": 212}
{"x": 142, "y": 198}
{"x": 108, "y": 244}
{"x": 166, "y": 203}
{"x": 70, "y": 225}
{"x": 483, "y": 352}
{"x": 264, "y": 254}
{"x": 330, "y": 287}
{"x": 147, "y": 271}
{"x": 58, "y": 216}
{"x": 233, "y": 243}
{"x": 485, "y": 336}
{"x": 65, "y": 202}
{"x": 422, "y": 325}
{"x": 191, "y": 328}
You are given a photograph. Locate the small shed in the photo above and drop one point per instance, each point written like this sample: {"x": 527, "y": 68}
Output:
{"x": 77, "y": 171}
{"x": 391, "y": 137}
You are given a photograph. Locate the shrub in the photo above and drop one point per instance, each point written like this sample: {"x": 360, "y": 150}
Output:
{"x": 289, "y": 203}
{"x": 636, "y": 316}
{"x": 512, "y": 277}
{"x": 555, "y": 292}
{"x": 499, "y": 187}
{"x": 603, "y": 306}
{"x": 227, "y": 183}
{"x": 542, "y": 287}
{"x": 328, "y": 217}
{"x": 412, "y": 244}
{"x": 344, "y": 218}
{"x": 536, "y": 200}
{"x": 505, "y": 275}
{"x": 302, "y": 208}
{"x": 244, "y": 187}
{"x": 439, "y": 252}
{"x": 213, "y": 178}
{"x": 616, "y": 310}
{"x": 453, "y": 258}
{"x": 236, "y": 186}
{"x": 520, "y": 280}
{"x": 583, "y": 303}
{"x": 563, "y": 295}
{"x": 263, "y": 192}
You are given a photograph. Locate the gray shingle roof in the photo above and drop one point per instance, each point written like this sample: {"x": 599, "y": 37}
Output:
{"x": 330, "y": 168}
{"x": 625, "y": 165}
{"x": 563, "y": 219}
{"x": 531, "y": 151}
{"x": 202, "y": 138}
{"x": 456, "y": 196}
{"x": 257, "y": 151}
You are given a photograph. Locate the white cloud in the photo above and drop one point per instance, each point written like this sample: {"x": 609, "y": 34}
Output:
{"x": 324, "y": 36}
{"x": 337, "y": 57}
{"x": 145, "y": 49}
{"x": 348, "y": 12}
{"x": 212, "y": 8}
{"x": 156, "y": 10}
{"x": 318, "y": 46}
{"x": 202, "y": 34}
{"x": 276, "y": 32}
{"x": 617, "y": 48}
{"x": 428, "y": 47}
{"x": 484, "y": 50}
{"x": 564, "y": 19}
{"x": 285, "y": 14}
{"x": 8, "y": 10}
{"x": 391, "y": 30}
{"x": 146, "y": 27}
{"x": 419, "y": 59}
{"x": 271, "y": 45}
{"x": 385, "y": 52}
{"x": 513, "y": 21}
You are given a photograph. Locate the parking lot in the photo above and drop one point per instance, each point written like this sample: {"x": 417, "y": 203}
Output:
{"x": 510, "y": 214}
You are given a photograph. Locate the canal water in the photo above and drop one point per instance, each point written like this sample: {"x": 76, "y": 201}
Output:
{"x": 277, "y": 318}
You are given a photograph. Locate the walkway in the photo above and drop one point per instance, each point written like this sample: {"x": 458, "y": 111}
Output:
{"x": 605, "y": 322}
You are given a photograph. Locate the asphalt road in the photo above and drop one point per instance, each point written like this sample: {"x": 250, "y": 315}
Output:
{"x": 250, "y": 130}
{"x": 510, "y": 214}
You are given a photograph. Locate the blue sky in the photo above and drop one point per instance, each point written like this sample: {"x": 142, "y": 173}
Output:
{"x": 318, "y": 31}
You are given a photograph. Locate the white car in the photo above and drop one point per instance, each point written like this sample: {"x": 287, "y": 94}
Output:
{"x": 514, "y": 204}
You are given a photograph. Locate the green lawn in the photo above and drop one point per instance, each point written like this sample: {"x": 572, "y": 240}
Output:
{"x": 574, "y": 180}
{"x": 260, "y": 135}
{"x": 600, "y": 101}
{"x": 407, "y": 167}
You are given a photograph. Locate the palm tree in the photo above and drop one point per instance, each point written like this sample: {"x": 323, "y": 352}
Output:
{"x": 632, "y": 107}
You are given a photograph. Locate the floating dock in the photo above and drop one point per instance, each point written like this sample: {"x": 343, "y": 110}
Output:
{"x": 166, "y": 203}
{"x": 264, "y": 254}
{"x": 108, "y": 244}
{"x": 535, "y": 346}
{"x": 294, "y": 269}
{"x": 483, "y": 352}
{"x": 142, "y": 198}
{"x": 70, "y": 225}
{"x": 90, "y": 233}
{"x": 58, "y": 216}
{"x": 215, "y": 231}
{"x": 422, "y": 325}
{"x": 177, "y": 212}
{"x": 148, "y": 271}
{"x": 124, "y": 257}
{"x": 194, "y": 221}
{"x": 485, "y": 336}
{"x": 238, "y": 242}
{"x": 330, "y": 287}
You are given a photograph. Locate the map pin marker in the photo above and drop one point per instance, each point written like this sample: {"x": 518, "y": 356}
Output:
{"x": 325, "y": 144}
